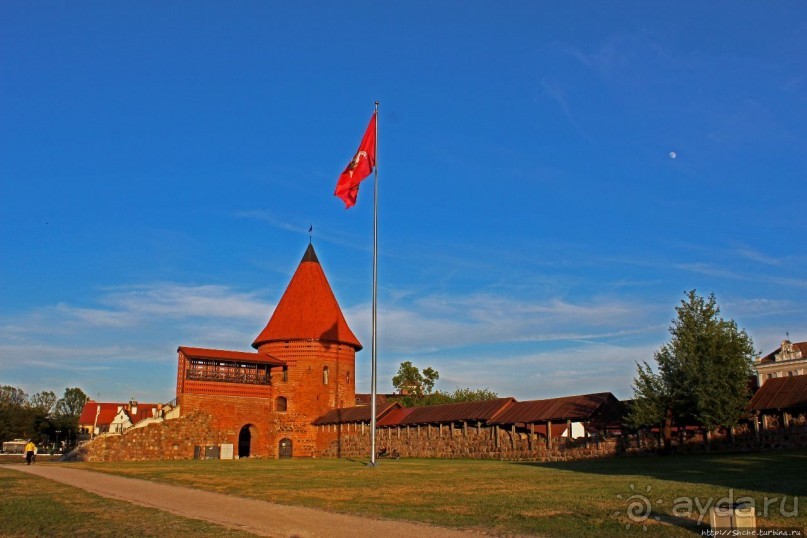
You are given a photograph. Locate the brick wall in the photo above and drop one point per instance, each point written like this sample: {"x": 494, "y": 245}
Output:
{"x": 307, "y": 394}
{"x": 308, "y": 391}
{"x": 305, "y": 385}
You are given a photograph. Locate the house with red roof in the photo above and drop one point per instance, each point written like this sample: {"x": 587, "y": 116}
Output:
{"x": 788, "y": 360}
{"x": 104, "y": 417}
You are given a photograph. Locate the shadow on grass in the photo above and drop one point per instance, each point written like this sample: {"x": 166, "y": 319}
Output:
{"x": 363, "y": 463}
{"x": 681, "y": 522}
{"x": 775, "y": 472}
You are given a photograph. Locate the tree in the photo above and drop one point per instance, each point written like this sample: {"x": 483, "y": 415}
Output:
{"x": 410, "y": 381}
{"x": 12, "y": 396}
{"x": 459, "y": 395}
{"x": 430, "y": 377}
{"x": 416, "y": 388}
{"x": 68, "y": 411}
{"x": 472, "y": 395}
{"x": 703, "y": 372}
{"x": 33, "y": 417}
{"x": 13, "y": 413}
{"x": 70, "y": 405}
{"x": 43, "y": 402}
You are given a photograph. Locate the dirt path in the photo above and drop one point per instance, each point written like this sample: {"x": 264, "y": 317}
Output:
{"x": 258, "y": 517}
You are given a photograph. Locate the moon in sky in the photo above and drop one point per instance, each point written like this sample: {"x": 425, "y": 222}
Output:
{"x": 673, "y": 155}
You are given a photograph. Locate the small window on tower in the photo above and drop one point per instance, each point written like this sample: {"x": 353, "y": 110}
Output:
{"x": 285, "y": 374}
{"x": 280, "y": 404}
{"x": 325, "y": 373}
{"x": 347, "y": 377}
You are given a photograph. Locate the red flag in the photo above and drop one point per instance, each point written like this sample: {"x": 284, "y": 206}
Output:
{"x": 347, "y": 188}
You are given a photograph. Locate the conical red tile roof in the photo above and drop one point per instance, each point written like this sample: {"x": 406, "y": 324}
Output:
{"x": 308, "y": 309}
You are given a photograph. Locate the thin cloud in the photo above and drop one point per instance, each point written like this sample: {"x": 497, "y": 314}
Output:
{"x": 443, "y": 322}
{"x": 718, "y": 272}
{"x": 709, "y": 270}
{"x": 595, "y": 367}
{"x": 623, "y": 58}
{"x": 301, "y": 228}
{"x": 553, "y": 90}
{"x": 754, "y": 308}
{"x": 605, "y": 60}
{"x": 169, "y": 314}
{"x": 274, "y": 221}
{"x": 173, "y": 300}
{"x": 758, "y": 257}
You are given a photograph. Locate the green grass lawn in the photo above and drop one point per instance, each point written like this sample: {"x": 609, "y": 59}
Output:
{"x": 33, "y": 506}
{"x": 588, "y": 498}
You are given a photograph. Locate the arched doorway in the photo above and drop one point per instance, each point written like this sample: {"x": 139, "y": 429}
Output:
{"x": 285, "y": 448}
{"x": 245, "y": 440}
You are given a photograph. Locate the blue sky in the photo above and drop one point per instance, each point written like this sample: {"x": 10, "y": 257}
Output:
{"x": 160, "y": 165}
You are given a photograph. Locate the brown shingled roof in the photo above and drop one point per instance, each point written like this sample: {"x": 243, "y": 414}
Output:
{"x": 366, "y": 399}
{"x": 498, "y": 411}
{"x": 222, "y": 354}
{"x": 800, "y": 346}
{"x": 308, "y": 309}
{"x": 781, "y": 393}
{"x": 359, "y": 413}
{"x": 575, "y": 408}
{"x": 446, "y": 413}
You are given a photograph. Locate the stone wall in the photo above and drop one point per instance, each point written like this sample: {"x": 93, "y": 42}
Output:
{"x": 744, "y": 439}
{"x": 176, "y": 439}
{"x": 168, "y": 440}
{"x": 353, "y": 441}
{"x": 228, "y": 414}
{"x": 473, "y": 443}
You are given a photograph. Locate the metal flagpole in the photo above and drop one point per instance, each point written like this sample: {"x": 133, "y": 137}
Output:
{"x": 374, "y": 345}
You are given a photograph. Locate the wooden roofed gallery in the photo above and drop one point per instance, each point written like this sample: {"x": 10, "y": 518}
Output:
{"x": 555, "y": 416}
{"x": 781, "y": 398}
{"x": 225, "y": 369}
{"x": 550, "y": 418}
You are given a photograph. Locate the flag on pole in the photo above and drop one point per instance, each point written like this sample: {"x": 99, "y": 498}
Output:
{"x": 347, "y": 188}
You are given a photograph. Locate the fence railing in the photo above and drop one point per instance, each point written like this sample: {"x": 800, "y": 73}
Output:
{"x": 227, "y": 377}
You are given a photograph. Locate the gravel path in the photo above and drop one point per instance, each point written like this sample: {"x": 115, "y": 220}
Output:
{"x": 258, "y": 517}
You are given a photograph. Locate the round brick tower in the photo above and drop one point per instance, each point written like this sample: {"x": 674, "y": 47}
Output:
{"x": 309, "y": 333}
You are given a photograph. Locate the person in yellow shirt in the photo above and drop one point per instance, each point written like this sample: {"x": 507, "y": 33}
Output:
{"x": 30, "y": 448}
